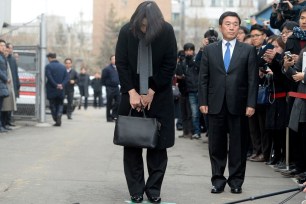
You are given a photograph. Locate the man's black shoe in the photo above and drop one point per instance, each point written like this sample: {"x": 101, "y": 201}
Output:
{"x": 216, "y": 189}
{"x": 69, "y": 117}
{"x": 236, "y": 190}
{"x": 11, "y": 124}
{"x": 3, "y": 129}
{"x": 7, "y": 128}
{"x": 137, "y": 198}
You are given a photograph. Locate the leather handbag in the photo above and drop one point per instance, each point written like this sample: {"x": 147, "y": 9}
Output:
{"x": 140, "y": 132}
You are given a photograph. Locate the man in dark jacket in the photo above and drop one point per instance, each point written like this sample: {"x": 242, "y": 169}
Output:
{"x": 189, "y": 72}
{"x": 16, "y": 83}
{"x": 110, "y": 80}
{"x": 69, "y": 88}
{"x": 97, "y": 88}
{"x": 57, "y": 78}
{"x": 3, "y": 80}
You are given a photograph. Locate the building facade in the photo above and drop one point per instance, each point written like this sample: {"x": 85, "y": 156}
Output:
{"x": 124, "y": 10}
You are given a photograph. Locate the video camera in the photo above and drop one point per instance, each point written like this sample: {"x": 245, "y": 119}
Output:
{"x": 211, "y": 35}
{"x": 283, "y": 9}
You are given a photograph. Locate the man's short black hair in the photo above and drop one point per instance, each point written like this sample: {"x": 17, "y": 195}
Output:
{"x": 51, "y": 55}
{"x": 258, "y": 27}
{"x": 228, "y": 13}
{"x": 189, "y": 46}
{"x": 245, "y": 29}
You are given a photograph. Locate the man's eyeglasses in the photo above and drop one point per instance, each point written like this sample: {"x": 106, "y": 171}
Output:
{"x": 256, "y": 35}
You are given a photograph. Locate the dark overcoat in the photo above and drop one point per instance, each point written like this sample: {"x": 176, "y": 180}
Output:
{"x": 3, "y": 77}
{"x": 164, "y": 51}
{"x": 56, "y": 74}
{"x": 83, "y": 83}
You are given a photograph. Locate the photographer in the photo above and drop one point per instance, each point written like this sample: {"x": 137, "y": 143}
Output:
{"x": 285, "y": 10}
{"x": 210, "y": 36}
{"x": 188, "y": 73}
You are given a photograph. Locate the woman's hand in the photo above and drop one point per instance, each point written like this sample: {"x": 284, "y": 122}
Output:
{"x": 135, "y": 100}
{"x": 146, "y": 100}
{"x": 288, "y": 62}
{"x": 299, "y": 76}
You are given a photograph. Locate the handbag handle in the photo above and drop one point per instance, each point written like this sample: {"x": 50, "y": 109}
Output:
{"x": 142, "y": 110}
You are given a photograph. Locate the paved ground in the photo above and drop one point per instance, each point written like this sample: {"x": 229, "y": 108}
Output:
{"x": 78, "y": 163}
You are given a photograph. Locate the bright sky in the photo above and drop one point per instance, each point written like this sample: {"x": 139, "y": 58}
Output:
{"x": 24, "y": 11}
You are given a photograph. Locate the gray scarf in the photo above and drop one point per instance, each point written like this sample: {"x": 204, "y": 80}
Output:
{"x": 144, "y": 65}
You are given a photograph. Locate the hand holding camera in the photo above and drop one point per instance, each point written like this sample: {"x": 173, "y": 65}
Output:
{"x": 288, "y": 60}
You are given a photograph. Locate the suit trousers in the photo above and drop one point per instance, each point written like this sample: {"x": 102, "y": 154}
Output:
{"x": 134, "y": 170}
{"x": 219, "y": 125}
{"x": 69, "y": 95}
{"x": 186, "y": 114}
{"x": 112, "y": 103}
{"x": 56, "y": 107}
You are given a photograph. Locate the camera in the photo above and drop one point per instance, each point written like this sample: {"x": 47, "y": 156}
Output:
{"x": 288, "y": 55}
{"x": 211, "y": 35}
{"x": 283, "y": 9}
{"x": 264, "y": 68}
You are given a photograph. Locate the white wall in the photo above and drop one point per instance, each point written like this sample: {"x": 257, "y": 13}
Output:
{"x": 5, "y": 12}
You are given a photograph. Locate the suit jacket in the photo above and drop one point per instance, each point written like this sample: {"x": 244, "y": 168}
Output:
{"x": 238, "y": 86}
{"x": 56, "y": 74}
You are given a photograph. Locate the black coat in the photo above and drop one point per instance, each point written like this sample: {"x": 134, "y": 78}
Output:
{"x": 83, "y": 83}
{"x": 56, "y": 74}
{"x": 238, "y": 86}
{"x": 73, "y": 75}
{"x": 14, "y": 69}
{"x": 3, "y": 76}
{"x": 164, "y": 54}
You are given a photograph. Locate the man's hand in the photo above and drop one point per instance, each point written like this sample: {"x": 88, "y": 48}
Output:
{"x": 249, "y": 111}
{"x": 59, "y": 86}
{"x": 204, "y": 109}
{"x": 72, "y": 81}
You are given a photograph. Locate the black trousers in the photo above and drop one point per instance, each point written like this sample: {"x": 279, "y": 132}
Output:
{"x": 113, "y": 100}
{"x": 97, "y": 102}
{"x": 69, "y": 95}
{"x": 219, "y": 125}
{"x": 134, "y": 170}
{"x": 56, "y": 107}
{"x": 186, "y": 114}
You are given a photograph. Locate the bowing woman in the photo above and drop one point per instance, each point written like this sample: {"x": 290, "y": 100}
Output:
{"x": 147, "y": 42}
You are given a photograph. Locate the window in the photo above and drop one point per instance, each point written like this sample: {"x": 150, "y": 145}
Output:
{"x": 246, "y": 3}
{"x": 196, "y": 3}
{"x": 215, "y": 3}
{"x": 230, "y": 3}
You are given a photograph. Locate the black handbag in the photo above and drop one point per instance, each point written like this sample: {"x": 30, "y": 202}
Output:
{"x": 266, "y": 92}
{"x": 141, "y": 132}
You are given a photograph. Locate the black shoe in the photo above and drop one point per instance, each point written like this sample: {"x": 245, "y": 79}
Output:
{"x": 7, "y": 128}
{"x": 11, "y": 124}
{"x": 236, "y": 190}
{"x": 154, "y": 199}
{"x": 216, "y": 189}
{"x": 69, "y": 117}
{"x": 137, "y": 198}
{"x": 3, "y": 130}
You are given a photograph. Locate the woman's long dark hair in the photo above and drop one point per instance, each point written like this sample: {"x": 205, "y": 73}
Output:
{"x": 155, "y": 19}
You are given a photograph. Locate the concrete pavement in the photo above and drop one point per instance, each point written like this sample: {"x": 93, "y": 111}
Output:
{"x": 78, "y": 163}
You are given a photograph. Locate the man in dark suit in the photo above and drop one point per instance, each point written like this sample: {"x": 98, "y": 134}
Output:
{"x": 110, "y": 79}
{"x": 57, "y": 78}
{"x": 227, "y": 93}
{"x": 69, "y": 88}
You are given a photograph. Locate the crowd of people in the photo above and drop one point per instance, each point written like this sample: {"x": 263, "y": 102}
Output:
{"x": 9, "y": 86}
{"x": 281, "y": 72}
{"x": 62, "y": 79}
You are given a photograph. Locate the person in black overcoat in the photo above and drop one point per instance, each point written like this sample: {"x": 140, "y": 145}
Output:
{"x": 83, "y": 83}
{"x": 57, "y": 78}
{"x": 147, "y": 25}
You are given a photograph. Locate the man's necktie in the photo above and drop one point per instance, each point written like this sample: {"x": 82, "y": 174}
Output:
{"x": 227, "y": 56}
